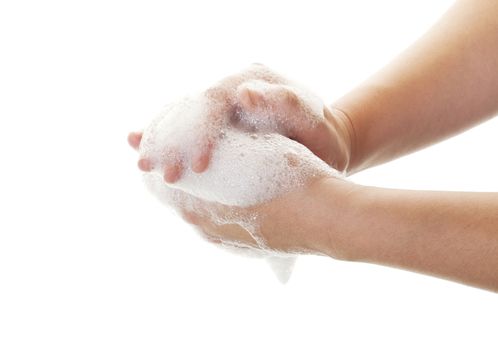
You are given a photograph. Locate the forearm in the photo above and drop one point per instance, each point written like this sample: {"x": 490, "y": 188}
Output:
{"x": 452, "y": 235}
{"x": 444, "y": 83}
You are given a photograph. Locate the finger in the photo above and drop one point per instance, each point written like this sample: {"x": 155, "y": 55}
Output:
{"x": 271, "y": 105}
{"x": 213, "y": 240}
{"x": 134, "y": 139}
{"x": 249, "y": 98}
{"x": 219, "y": 112}
{"x": 190, "y": 217}
{"x": 145, "y": 164}
{"x": 173, "y": 170}
{"x": 202, "y": 219}
{"x": 208, "y": 237}
{"x": 280, "y": 98}
{"x": 227, "y": 232}
{"x": 202, "y": 155}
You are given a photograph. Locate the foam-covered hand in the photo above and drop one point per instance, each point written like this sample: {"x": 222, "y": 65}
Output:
{"x": 275, "y": 104}
{"x": 292, "y": 223}
{"x": 273, "y": 224}
{"x": 258, "y": 182}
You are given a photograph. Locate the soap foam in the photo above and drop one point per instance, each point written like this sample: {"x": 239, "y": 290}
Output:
{"x": 246, "y": 169}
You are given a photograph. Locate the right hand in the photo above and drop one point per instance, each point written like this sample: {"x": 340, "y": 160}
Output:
{"x": 326, "y": 132}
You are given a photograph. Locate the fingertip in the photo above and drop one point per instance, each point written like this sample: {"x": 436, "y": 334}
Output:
{"x": 172, "y": 172}
{"x": 200, "y": 163}
{"x": 290, "y": 98}
{"x": 134, "y": 139}
{"x": 190, "y": 217}
{"x": 144, "y": 164}
{"x": 245, "y": 97}
{"x": 249, "y": 98}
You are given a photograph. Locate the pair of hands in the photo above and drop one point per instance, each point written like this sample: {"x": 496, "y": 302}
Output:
{"x": 326, "y": 132}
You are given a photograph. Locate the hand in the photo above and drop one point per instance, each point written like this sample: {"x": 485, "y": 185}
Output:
{"x": 308, "y": 219}
{"x": 305, "y": 219}
{"x": 261, "y": 92}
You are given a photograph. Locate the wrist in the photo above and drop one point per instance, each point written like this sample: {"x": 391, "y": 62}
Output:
{"x": 339, "y": 211}
{"x": 348, "y": 134}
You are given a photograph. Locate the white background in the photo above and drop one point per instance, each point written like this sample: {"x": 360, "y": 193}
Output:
{"x": 90, "y": 260}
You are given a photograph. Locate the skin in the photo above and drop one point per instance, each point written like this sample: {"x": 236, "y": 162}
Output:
{"x": 326, "y": 135}
{"x": 443, "y": 84}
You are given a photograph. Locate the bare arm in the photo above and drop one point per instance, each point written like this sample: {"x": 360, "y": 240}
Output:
{"x": 443, "y": 84}
{"x": 453, "y": 235}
